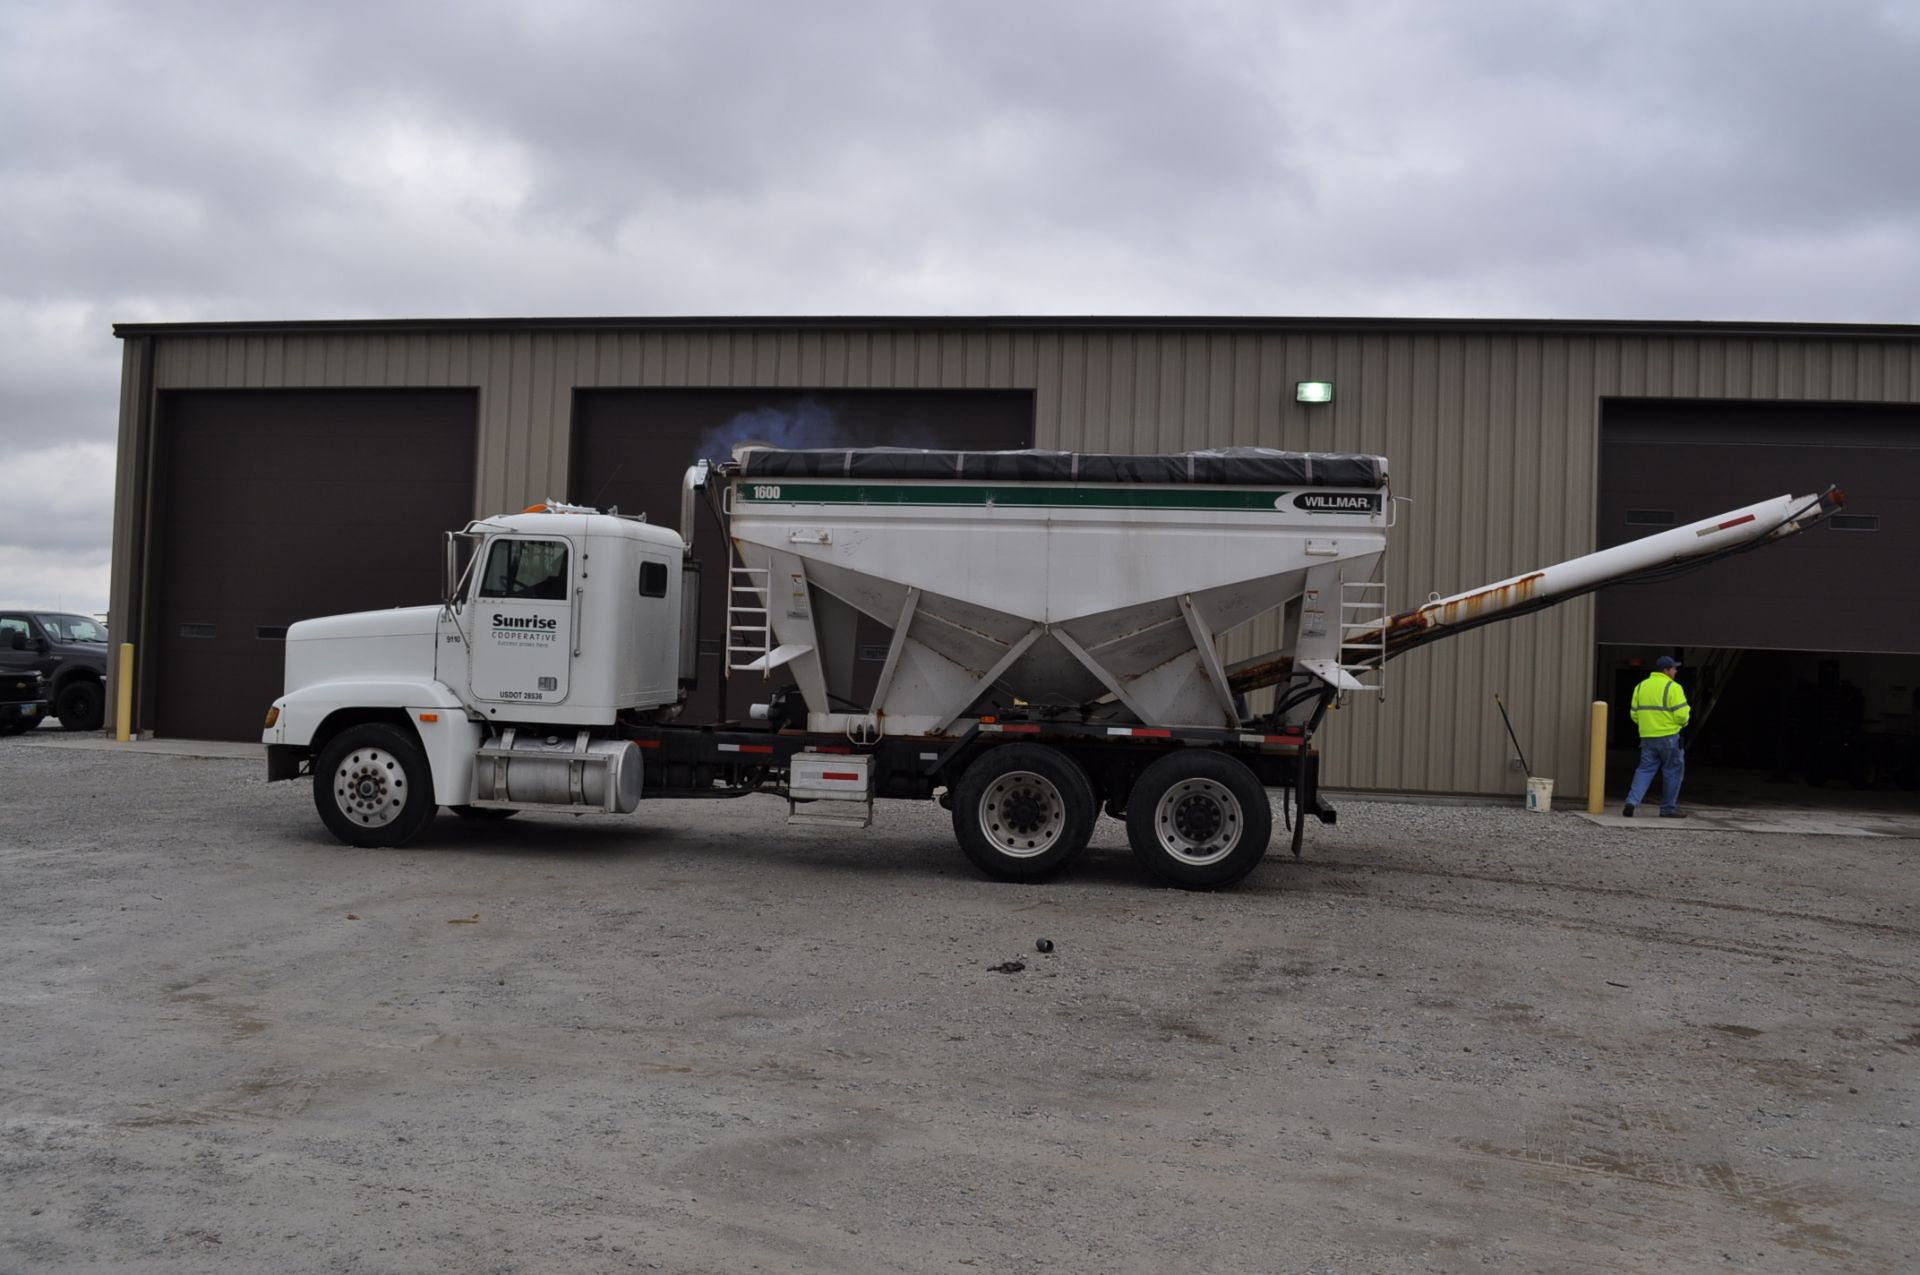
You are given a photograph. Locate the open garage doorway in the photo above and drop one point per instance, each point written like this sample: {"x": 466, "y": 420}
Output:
{"x": 1802, "y": 658}
{"x": 1805, "y": 728}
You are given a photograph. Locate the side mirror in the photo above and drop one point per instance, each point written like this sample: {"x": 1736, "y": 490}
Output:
{"x": 17, "y": 640}
{"x": 43, "y": 646}
{"x": 450, "y": 570}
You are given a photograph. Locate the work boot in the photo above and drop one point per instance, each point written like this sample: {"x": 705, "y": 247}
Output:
{"x": 1627, "y": 810}
{"x": 1673, "y": 814}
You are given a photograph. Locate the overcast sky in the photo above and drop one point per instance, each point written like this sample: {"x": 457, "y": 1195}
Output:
{"x": 1671, "y": 159}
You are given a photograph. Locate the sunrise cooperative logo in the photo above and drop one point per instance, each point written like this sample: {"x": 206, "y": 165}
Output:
{"x": 524, "y": 628}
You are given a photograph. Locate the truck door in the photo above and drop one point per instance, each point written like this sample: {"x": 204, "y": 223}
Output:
{"x": 19, "y": 645}
{"x": 523, "y": 616}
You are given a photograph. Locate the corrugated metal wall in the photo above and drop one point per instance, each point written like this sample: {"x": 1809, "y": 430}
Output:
{"x": 1493, "y": 437}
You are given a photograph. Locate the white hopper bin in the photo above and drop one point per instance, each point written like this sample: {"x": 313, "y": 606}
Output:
{"x": 1055, "y": 578}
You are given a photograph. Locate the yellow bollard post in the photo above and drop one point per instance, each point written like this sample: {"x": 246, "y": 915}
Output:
{"x": 1597, "y": 760}
{"x": 123, "y": 695}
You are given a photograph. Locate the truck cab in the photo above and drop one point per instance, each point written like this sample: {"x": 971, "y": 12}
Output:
{"x": 560, "y": 623}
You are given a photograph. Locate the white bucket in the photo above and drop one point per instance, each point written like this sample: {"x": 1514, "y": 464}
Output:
{"x": 1539, "y": 794}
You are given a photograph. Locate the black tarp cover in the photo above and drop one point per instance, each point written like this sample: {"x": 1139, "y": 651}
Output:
{"x": 1225, "y": 466}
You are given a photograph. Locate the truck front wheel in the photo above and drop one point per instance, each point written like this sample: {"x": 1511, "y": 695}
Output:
{"x": 372, "y": 786}
{"x": 1023, "y": 811}
{"x": 1199, "y": 819}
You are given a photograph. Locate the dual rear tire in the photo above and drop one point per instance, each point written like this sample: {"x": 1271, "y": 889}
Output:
{"x": 1197, "y": 819}
{"x": 1022, "y": 812}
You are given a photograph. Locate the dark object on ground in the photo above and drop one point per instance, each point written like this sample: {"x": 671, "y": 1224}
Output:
{"x": 1043, "y": 945}
{"x": 1007, "y": 967}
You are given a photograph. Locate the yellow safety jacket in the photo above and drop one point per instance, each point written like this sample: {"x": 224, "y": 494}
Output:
{"x": 1659, "y": 707}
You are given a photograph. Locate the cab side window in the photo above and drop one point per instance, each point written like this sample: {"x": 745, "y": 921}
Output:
{"x": 534, "y": 570}
{"x": 653, "y": 579}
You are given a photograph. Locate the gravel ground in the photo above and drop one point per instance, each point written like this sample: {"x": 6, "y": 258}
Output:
{"x": 1453, "y": 1038}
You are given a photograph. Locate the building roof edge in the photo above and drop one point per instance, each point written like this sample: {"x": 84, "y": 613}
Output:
{"x": 993, "y": 323}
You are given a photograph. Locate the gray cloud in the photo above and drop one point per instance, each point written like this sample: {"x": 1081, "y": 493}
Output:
{"x": 1731, "y": 160}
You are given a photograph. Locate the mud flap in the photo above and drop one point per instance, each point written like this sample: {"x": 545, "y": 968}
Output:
{"x": 284, "y": 761}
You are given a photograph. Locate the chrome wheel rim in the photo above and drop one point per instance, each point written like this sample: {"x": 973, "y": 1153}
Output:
{"x": 1022, "y": 814}
{"x": 1198, "y": 821}
{"x": 370, "y": 787}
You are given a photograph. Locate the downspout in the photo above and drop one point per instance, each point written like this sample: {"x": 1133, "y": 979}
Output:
{"x": 140, "y": 624}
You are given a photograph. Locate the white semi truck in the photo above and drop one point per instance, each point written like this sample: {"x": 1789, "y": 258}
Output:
{"x": 1054, "y": 628}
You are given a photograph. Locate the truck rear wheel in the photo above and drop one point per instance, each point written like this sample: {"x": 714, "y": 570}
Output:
{"x": 1199, "y": 819}
{"x": 1023, "y": 811}
{"x": 372, "y": 786}
{"x": 81, "y": 706}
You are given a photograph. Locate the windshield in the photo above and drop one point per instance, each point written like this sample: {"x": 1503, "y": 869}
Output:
{"x": 72, "y": 628}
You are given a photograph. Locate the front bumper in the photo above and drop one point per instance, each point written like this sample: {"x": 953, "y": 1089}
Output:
{"x": 28, "y": 711}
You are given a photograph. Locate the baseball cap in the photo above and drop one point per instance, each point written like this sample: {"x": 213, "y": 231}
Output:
{"x": 1666, "y": 662}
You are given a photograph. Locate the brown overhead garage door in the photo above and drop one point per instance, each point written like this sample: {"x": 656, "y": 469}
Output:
{"x": 1847, "y": 586}
{"x": 631, "y": 448}
{"x": 280, "y": 505}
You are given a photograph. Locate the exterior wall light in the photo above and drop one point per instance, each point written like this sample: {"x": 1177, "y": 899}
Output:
{"x": 1313, "y": 391}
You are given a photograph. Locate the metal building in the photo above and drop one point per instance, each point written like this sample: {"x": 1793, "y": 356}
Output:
{"x": 273, "y": 471}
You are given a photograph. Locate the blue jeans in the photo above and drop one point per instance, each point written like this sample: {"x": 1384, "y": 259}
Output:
{"x": 1667, "y": 757}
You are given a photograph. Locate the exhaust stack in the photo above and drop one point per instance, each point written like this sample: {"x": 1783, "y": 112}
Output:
{"x": 695, "y": 479}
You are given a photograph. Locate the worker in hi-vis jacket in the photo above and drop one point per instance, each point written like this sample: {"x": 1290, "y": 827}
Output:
{"x": 1660, "y": 712}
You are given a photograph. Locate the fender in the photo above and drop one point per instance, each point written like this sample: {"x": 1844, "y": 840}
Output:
{"x": 435, "y": 714}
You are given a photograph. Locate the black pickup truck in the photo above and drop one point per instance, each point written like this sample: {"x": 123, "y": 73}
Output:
{"x": 70, "y": 651}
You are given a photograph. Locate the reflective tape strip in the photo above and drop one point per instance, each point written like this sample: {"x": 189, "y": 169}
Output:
{"x": 1731, "y": 522}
